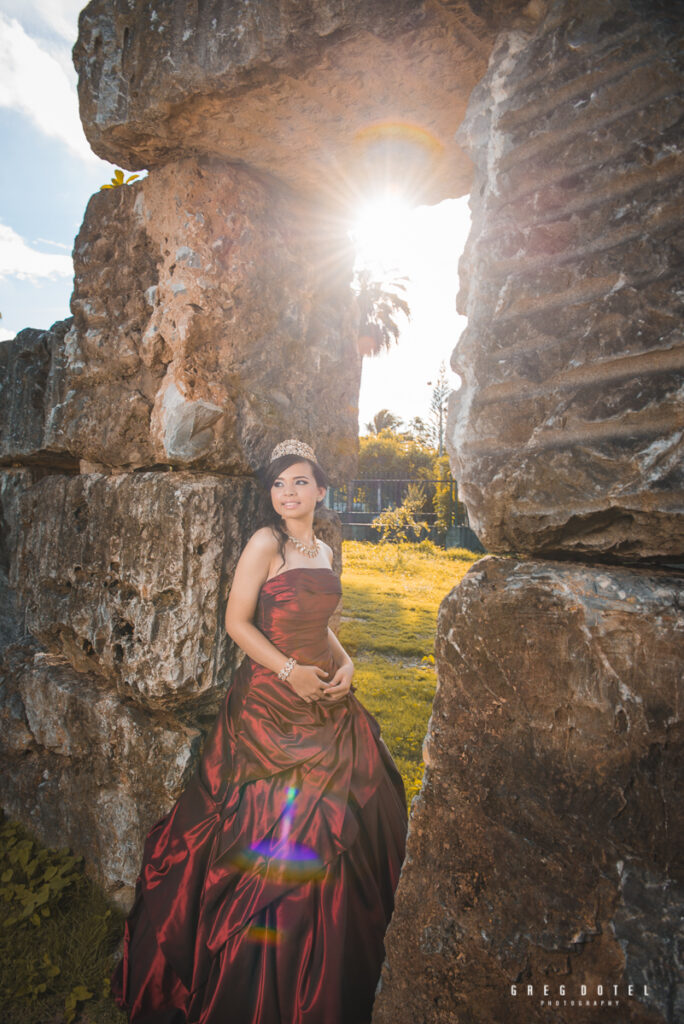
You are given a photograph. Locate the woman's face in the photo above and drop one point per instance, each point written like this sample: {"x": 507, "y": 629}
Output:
{"x": 295, "y": 492}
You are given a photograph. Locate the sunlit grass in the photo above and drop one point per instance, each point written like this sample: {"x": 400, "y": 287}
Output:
{"x": 400, "y": 699}
{"x": 391, "y": 596}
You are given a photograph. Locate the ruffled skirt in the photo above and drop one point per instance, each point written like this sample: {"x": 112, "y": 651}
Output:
{"x": 265, "y": 893}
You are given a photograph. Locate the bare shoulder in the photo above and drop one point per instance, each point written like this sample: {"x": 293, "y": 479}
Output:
{"x": 263, "y": 541}
{"x": 250, "y": 573}
{"x": 328, "y": 550}
{"x": 257, "y": 555}
{"x": 252, "y": 567}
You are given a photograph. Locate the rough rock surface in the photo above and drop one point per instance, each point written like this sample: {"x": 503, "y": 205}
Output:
{"x": 12, "y": 484}
{"x": 545, "y": 844}
{"x": 208, "y": 325}
{"x": 127, "y": 577}
{"x": 31, "y": 384}
{"x": 124, "y": 579}
{"x": 567, "y": 434}
{"x": 84, "y": 769}
{"x": 319, "y": 93}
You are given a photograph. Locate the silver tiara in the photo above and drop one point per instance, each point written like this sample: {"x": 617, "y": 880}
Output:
{"x": 293, "y": 447}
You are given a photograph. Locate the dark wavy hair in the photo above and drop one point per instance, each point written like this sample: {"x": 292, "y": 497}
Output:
{"x": 268, "y": 476}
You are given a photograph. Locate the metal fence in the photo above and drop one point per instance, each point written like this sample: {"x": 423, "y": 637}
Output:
{"x": 358, "y": 502}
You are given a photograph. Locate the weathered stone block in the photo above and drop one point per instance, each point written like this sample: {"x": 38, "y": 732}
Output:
{"x": 330, "y": 97}
{"x": 544, "y": 844}
{"x": 83, "y": 769}
{"x": 11, "y": 615}
{"x": 567, "y": 434}
{"x": 15, "y": 735}
{"x": 207, "y": 327}
{"x": 127, "y": 577}
{"x": 14, "y": 482}
{"x": 31, "y": 378}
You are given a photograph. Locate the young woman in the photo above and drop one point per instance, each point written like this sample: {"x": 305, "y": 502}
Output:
{"x": 265, "y": 893}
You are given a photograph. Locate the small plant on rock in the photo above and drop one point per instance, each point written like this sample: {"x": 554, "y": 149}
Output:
{"x": 118, "y": 179}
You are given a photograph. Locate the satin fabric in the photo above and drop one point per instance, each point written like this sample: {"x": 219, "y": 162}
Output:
{"x": 265, "y": 893}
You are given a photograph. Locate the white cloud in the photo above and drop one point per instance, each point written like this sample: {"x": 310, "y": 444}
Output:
{"x": 39, "y": 85}
{"x": 57, "y": 16}
{"x": 17, "y": 259}
{"x": 6, "y": 335}
{"x": 48, "y": 241}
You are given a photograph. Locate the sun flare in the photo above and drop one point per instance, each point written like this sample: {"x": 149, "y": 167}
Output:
{"x": 381, "y": 233}
{"x": 420, "y": 245}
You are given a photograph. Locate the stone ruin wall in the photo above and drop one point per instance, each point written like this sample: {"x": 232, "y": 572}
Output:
{"x": 546, "y": 843}
{"x": 211, "y": 317}
{"x": 202, "y": 333}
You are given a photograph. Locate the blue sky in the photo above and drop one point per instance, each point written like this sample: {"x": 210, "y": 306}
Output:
{"x": 48, "y": 173}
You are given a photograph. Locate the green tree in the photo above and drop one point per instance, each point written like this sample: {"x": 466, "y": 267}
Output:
{"x": 388, "y": 456}
{"x": 419, "y": 431}
{"x": 438, "y": 407}
{"x": 444, "y": 501}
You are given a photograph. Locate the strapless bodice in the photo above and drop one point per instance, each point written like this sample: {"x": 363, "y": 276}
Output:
{"x": 294, "y": 608}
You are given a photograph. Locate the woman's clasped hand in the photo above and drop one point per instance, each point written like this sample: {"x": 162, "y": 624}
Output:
{"x": 310, "y": 683}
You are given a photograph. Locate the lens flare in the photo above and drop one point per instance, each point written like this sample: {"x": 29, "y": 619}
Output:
{"x": 398, "y": 156}
{"x": 276, "y": 861}
{"x": 265, "y": 934}
{"x": 408, "y": 132}
{"x": 278, "y": 858}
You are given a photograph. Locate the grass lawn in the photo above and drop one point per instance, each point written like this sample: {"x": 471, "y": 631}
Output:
{"x": 57, "y": 933}
{"x": 391, "y": 594}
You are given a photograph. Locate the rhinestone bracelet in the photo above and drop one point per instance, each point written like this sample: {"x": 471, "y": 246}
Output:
{"x": 287, "y": 668}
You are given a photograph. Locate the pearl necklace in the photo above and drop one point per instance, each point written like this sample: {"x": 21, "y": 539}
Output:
{"x": 310, "y": 552}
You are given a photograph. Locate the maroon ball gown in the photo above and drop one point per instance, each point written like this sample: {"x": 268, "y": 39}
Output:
{"x": 265, "y": 892}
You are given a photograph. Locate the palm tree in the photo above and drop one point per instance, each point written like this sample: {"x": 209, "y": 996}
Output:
{"x": 378, "y": 303}
{"x": 383, "y": 420}
{"x": 420, "y": 432}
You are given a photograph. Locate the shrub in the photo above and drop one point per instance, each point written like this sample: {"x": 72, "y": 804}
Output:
{"x": 395, "y": 524}
{"x": 57, "y": 935}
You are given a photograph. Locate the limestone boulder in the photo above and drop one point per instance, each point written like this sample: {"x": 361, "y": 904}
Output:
{"x": 567, "y": 433}
{"x": 544, "y": 846}
{"x": 333, "y": 98}
{"x": 84, "y": 769}
{"x": 127, "y": 577}
{"x": 208, "y": 325}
